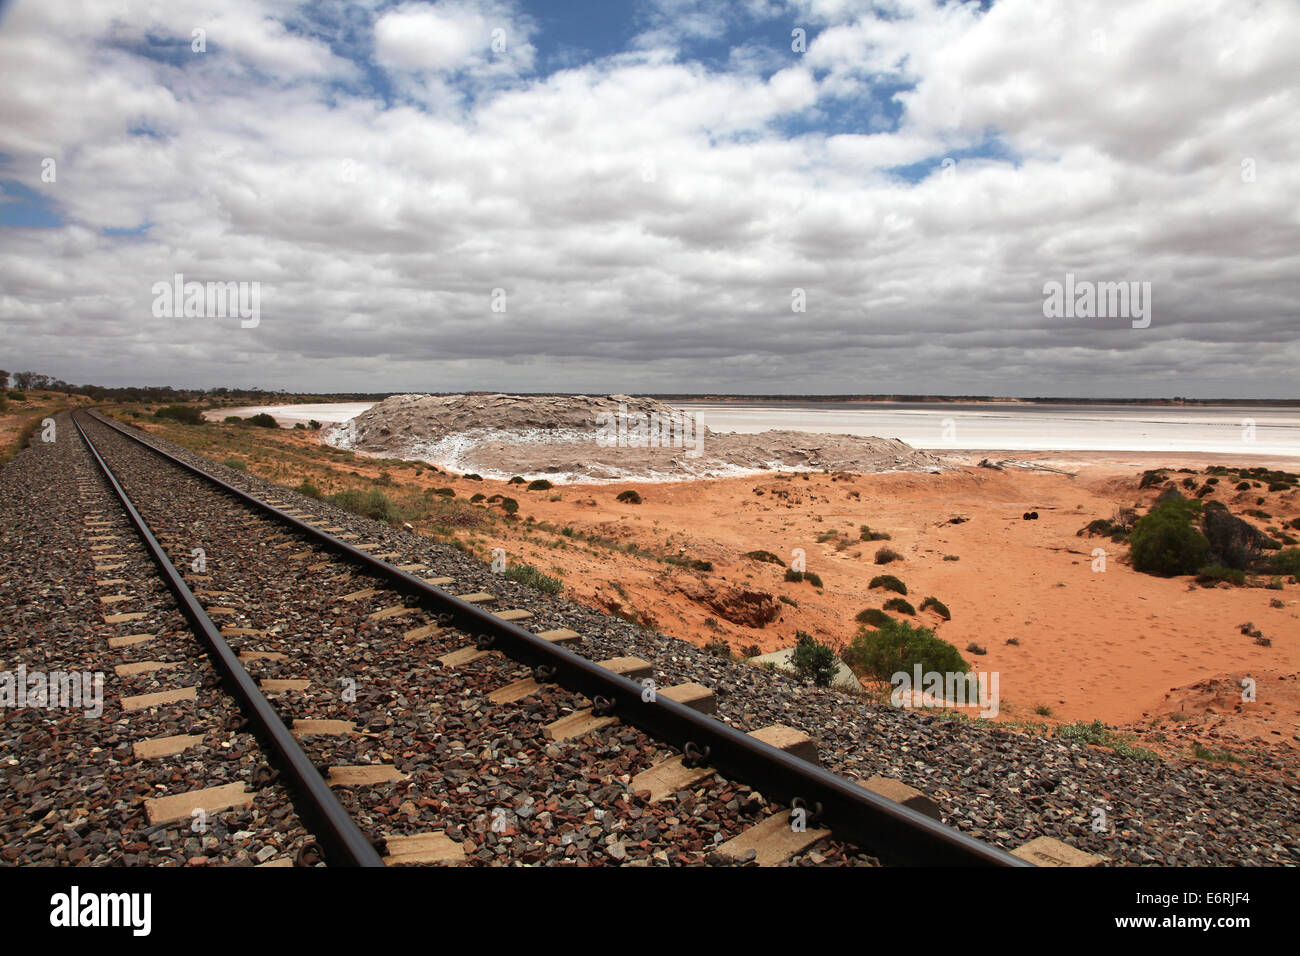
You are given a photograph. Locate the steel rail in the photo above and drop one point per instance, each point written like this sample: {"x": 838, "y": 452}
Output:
{"x": 888, "y": 830}
{"x": 342, "y": 842}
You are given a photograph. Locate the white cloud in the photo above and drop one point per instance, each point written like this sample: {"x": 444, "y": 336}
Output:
{"x": 646, "y": 215}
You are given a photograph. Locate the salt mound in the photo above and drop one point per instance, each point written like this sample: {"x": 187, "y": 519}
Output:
{"x": 582, "y": 438}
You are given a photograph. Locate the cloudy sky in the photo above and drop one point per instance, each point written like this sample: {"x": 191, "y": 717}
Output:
{"x": 803, "y": 196}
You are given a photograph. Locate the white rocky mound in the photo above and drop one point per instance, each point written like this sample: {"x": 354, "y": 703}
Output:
{"x": 607, "y": 438}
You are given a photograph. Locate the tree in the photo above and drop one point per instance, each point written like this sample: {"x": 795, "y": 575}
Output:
{"x": 4, "y": 379}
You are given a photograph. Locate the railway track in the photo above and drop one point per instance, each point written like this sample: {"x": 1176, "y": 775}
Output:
{"x": 417, "y": 721}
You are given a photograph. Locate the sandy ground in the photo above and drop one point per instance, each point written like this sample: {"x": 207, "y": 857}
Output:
{"x": 1116, "y": 645}
{"x": 1129, "y": 649}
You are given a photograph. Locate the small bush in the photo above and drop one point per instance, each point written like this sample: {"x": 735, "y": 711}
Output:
{"x": 541, "y": 484}
{"x": 445, "y": 492}
{"x": 1165, "y": 542}
{"x": 951, "y": 557}
{"x": 790, "y": 601}
{"x": 1278, "y": 486}
{"x": 230, "y": 420}
{"x": 866, "y": 534}
{"x": 939, "y": 607}
{"x": 813, "y": 660}
{"x": 1287, "y": 560}
{"x": 975, "y": 648}
{"x": 766, "y": 556}
{"x": 718, "y": 648}
{"x": 701, "y": 565}
{"x": 889, "y": 583}
{"x": 371, "y": 503}
{"x": 516, "y": 480}
{"x": 314, "y": 425}
{"x": 751, "y": 650}
{"x": 631, "y": 497}
{"x": 797, "y": 576}
{"x": 236, "y": 463}
{"x": 901, "y": 605}
{"x": 185, "y": 414}
{"x": 308, "y": 489}
{"x": 509, "y": 506}
{"x": 17, "y": 396}
{"x": 477, "y": 497}
{"x": 261, "y": 420}
{"x": 872, "y": 616}
{"x": 472, "y": 477}
{"x": 531, "y": 576}
{"x": 1243, "y": 486}
{"x": 1214, "y": 573}
{"x": 886, "y": 555}
{"x": 898, "y": 646}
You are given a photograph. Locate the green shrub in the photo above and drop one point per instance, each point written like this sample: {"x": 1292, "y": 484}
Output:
{"x": 1099, "y": 735}
{"x": 872, "y": 616}
{"x": 866, "y": 534}
{"x": 1287, "y": 560}
{"x": 541, "y": 484}
{"x": 813, "y": 660}
{"x": 897, "y": 647}
{"x": 445, "y": 492}
{"x": 531, "y": 576}
{"x": 1165, "y": 542}
{"x": 1278, "y": 486}
{"x": 630, "y": 496}
{"x": 314, "y": 425}
{"x": 17, "y": 396}
{"x": 886, "y": 555}
{"x": 509, "y": 506}
{"x": 236, "y": 463}
{"x": 261, "y": 420}
{"x": 185, "y": 414}
{"x": 371, "y": 503}
{"x": 228, "y": 420}
{"x": 308, "y": 489}
{"x": 889, "y": 583}
{"x": 1243, "y": 486}
{"x": 472, "y": 477}
{"x": 477, "y": 496}
{"x": 1151, "y": 478}
{"x": 939, "y": 607}
{"x": 718, "y": 648}
{"x": 516, "y": 480}
{"x": 1214, "y": 573}
{"x": 701, "y": 565}
{"x": 751, "y": 650}
{"x": 901, "y": 605}
{"x": 765, "y": 556}
{"x": 809, "y": 576}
